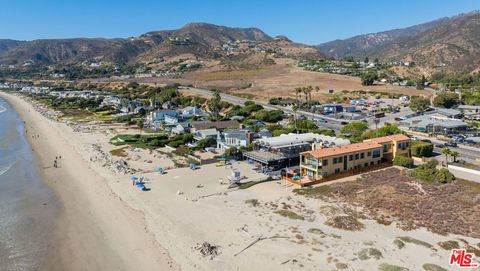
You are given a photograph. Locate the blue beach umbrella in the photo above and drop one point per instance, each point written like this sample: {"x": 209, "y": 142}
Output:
{"x": 134, "y": 178}
{"x": 158, "y": 169}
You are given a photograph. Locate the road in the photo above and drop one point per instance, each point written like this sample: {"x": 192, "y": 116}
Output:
{"x": 332, "y": 123}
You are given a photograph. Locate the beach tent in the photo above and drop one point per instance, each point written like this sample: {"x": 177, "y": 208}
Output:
{"x": 222, "y": 159}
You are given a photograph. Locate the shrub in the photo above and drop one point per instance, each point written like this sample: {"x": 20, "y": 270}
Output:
{"x": 403, "y": 161}
{"x": 175, "y": 144}
{"x": 427, "y": 171}
{"x": 422, "y": 149}
{"x": 289, "y": 214}
{"x": 445, "y": 176}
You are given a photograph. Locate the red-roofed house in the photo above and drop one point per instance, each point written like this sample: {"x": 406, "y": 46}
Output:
{"x": 322, "y": 163}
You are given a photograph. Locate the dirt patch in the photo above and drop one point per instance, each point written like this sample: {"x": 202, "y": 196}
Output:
{"x": 345, "y": 222}
{"x": 388, "y": 196}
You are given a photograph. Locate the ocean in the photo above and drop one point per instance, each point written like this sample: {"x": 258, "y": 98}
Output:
{"x": 27, "y": 206}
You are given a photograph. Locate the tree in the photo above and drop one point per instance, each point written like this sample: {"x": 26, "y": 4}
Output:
{"x": 447, "y": 152}
{"x": 419, "y": 104}
{"x": 444, "y": 176}
{"x": 269, "y": 116}
{"x": 231, "y": 152}
{"x": 140, "y": 124}
{"x": 206, "y": 142}
{"x": 427, "y": 171}
{"x": 403, "y": 161}
{"x": 274, "y": 101}
{"x": 369, "y": 78}
{"x": 366, "y": 60}
{"x": 420, "y": 84}
{"x": 454, "y": 154}
{"x": 356, "y": 129}
{"x": 214, "y": 104}
{"x": 446, "y": 99}
{"x": 422, "y": 149}
{"x": 317, "y": 89}
{"x": 382, "y": 131}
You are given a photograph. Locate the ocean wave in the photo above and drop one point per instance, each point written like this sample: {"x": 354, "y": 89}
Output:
{"x": 2, "y": 109}
{"x": 5, "y": 169}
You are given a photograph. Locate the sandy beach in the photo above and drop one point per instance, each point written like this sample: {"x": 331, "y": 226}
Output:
{"x": 107, "y": 224}
{"x": 96, "y": 230}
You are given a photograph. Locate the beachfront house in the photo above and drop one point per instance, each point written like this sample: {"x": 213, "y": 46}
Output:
{"x": 234, "y": 138}
{"x": 325, "y": 162}
{"x": 202, "y": 134}
{"x": 180, "y": 128}
{"x": 171, "y": 120}
{"x": 192, "y": 111}
{"x": 283, "y": 151}
{"x": 219, "y": 125}
{"x": 156, "y": 119}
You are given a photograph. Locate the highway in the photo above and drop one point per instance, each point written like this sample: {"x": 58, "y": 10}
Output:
{"x": 332, "y": 123}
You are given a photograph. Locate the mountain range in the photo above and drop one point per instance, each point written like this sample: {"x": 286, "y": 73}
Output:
{"x": 449, "y": 44}
{"x": 201, "y": 40}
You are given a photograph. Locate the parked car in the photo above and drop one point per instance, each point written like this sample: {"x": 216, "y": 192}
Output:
{"x": 322, "y": 120}
{"x": 426, "y": 140}
{"x": 469, "y": 142}
{"x": 344, "y": 122}
{"x": 439, "y": 146}
{"x": 451, "y": 144}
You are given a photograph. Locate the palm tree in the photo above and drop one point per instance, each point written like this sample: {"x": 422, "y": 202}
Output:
{"x": 447, "y": 152}
{"x": 298, "y": 90}
{"x": 317, "y": 89}
{"x": 454, "y": 154}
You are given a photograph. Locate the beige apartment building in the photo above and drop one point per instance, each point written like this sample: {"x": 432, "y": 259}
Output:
{"x": 322, "y": 163}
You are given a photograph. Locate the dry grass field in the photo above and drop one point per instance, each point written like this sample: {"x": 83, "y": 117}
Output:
{"x": 278, "y": 80}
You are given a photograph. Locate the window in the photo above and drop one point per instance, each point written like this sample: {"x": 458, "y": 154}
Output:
{"x": 325, "y": 174}
{"x": 407, "y": 143}
{"x": 351, "y": 157}
{"x": 325, "y": 162}
{"x": 340, "y": 159}
{"x": 366, "y": 164}
{"x": 371, "y": 163}
{"x": 362, "y": 155}
{"x": 356, "y": 156}
{"x": 369, "y": 153}
{"x": 337, "y": 170}
{"x": 385, "y": 148}
{"x": 335, "y": 160}
{"x": 376, "y": 153}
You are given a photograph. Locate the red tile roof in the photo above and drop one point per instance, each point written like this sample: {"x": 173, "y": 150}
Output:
{"x": 326, "y": 152}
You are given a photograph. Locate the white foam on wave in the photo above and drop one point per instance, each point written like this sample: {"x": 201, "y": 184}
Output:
{"x": 5, "y": 169}
{"x": 2, "y": 109}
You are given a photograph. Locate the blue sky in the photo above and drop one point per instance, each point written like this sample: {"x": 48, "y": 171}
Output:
{"x": 306, "y": 21}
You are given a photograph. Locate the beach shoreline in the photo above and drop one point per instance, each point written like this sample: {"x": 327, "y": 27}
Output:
{"x": 95, "y": 229}
{"x": 106, "y": 223}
